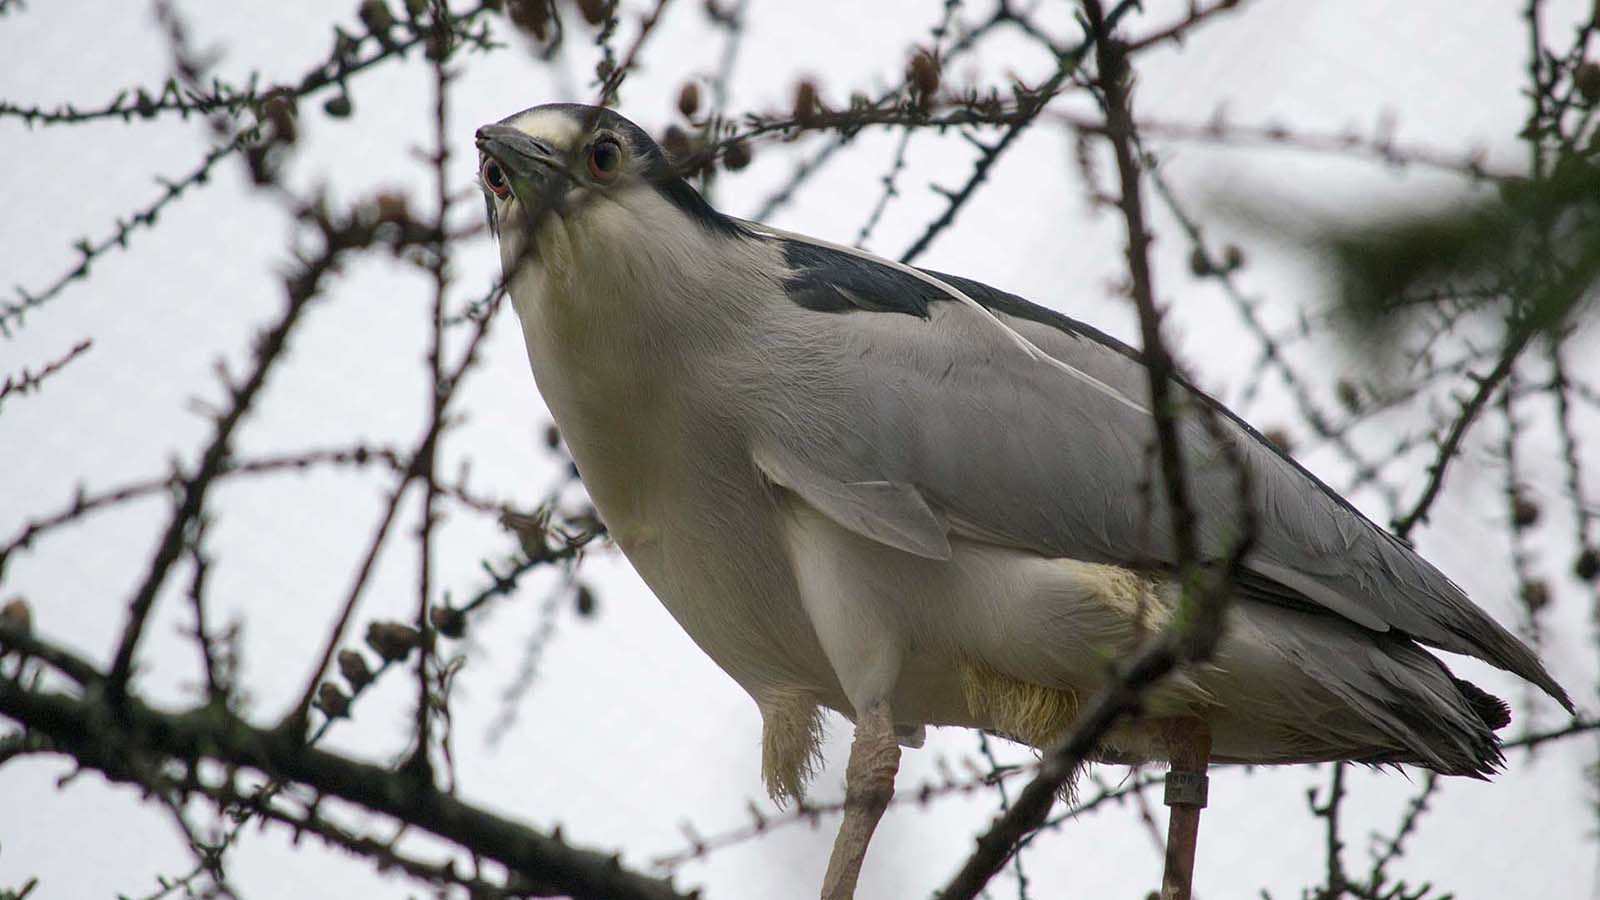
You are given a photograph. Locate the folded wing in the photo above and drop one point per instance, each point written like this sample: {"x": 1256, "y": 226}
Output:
{"x": 972, "y": 412}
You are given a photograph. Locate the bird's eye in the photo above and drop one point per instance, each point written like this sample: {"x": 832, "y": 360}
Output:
{"x": 494, "y": 178}
{"x": 605, "y": 159}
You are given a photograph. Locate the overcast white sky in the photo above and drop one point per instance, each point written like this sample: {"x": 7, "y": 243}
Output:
{"x": 628, "y": 731}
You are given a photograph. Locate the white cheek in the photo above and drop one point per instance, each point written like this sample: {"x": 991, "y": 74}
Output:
{"x": 620, "y": 236}
{"x": 512, "y": 242}
{"x": 549, "y": 260}
{"x": 626, "y": 247}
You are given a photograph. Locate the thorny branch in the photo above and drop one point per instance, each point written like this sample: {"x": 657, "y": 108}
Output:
{"x": 350, "y": 57}
{"x": 351, "y": 54}
{"x": 27, "y": 380}
{"x": 1471, "y": 408}
{"x": 126, "y": 739}
{"x": 338, "y": 238}
{"x": 1554, "y": 141}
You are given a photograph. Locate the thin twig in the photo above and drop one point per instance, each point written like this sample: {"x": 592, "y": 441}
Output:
{"x": 27, "y": 380}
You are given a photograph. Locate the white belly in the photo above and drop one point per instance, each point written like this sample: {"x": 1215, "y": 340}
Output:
{"x": 689, "y": 513}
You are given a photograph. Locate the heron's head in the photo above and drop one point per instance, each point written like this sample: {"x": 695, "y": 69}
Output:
{"x": 564, "y": 180}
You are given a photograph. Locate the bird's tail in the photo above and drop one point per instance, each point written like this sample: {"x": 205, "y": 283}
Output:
{"x": 1351, "y": 693}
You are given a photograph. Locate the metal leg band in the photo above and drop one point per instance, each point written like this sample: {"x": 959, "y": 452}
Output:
{"x": 1186, "y": 789}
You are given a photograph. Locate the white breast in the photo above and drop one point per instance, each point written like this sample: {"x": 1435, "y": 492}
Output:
{"x": 621, "y": 369}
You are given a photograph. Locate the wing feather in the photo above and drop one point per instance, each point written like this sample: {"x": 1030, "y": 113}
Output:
{"x": 888, "y": 512}
{"x": 1012, "y": 424}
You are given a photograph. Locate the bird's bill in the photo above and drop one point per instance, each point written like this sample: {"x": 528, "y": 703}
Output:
{"x": 537, "y": 171}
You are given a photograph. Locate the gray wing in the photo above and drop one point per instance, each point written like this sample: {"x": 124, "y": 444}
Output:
{"x": 1017, "y": 426}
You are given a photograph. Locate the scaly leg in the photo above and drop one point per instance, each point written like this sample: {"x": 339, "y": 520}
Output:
{"x": 868, "y": 785}
{"x": 1189, "y": 747}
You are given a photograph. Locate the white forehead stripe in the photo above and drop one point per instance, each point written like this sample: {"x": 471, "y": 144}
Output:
{"x": 550, "y": 125}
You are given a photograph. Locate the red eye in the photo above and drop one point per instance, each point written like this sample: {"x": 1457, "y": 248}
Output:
{"x": 605, "y": 159}
{"x": 494, "y": 178}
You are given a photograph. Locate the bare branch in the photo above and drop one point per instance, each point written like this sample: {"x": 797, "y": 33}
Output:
{"x": 115, "y": 739}
{"x": 26, "y": 380}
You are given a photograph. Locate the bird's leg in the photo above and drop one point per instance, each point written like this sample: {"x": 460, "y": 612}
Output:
{"x": 1189, "y": 747}
{"x": 868, "y": 785}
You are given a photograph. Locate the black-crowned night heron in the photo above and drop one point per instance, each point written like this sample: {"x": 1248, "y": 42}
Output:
{"x": 918, "y": 500}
